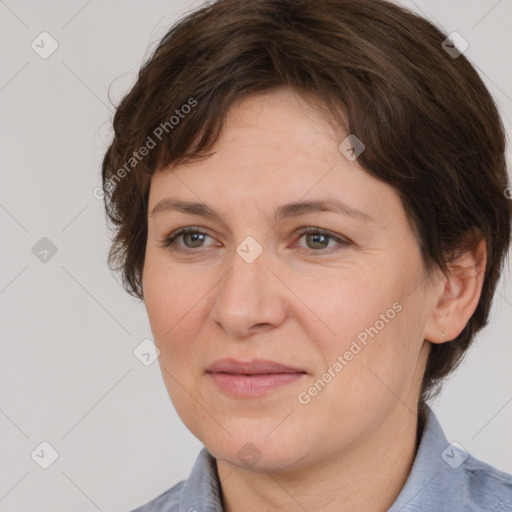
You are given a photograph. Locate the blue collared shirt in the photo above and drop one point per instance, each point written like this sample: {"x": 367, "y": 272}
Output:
{"x": 443, "y": 478}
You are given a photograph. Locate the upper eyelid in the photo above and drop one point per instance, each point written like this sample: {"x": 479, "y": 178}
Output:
{"x": 189, "y": 229}
{"x": 300, "y": 232}
{"x": 183, "y": 231}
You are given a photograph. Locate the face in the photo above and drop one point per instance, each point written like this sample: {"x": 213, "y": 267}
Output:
{"x": 334, "y": 295}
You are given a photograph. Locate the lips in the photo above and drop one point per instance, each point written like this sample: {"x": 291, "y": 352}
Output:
{"x": 255, "y": 367}
{"x": 252, "y": 379}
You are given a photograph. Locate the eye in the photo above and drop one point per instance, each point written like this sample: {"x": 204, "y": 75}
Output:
{"x": 192, "y": 238}
{"x": 318, "y": 240}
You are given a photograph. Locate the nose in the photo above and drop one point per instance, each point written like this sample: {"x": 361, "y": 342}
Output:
{"x": 249, "y": 299}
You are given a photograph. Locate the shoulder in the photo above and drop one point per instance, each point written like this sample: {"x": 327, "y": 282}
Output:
{"x": 168, "y": 501}
{"x": 446, "y": 478}
{"x": 485, "y": 487}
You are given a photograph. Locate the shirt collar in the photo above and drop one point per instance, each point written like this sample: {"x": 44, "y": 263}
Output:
{"x": 420, "y": 492}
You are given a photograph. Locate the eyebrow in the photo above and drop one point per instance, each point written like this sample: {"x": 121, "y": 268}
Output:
{"x": 284, "y": 211}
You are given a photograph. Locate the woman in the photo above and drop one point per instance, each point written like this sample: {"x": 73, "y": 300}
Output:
{"x": 310, "y": 197}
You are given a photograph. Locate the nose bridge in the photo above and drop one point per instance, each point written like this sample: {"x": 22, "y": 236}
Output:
{"x": 248, "y": 296}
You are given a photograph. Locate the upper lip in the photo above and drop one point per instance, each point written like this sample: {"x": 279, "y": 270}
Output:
{"x": 254, "y": 367}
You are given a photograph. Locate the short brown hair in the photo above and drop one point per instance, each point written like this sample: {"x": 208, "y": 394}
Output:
{"x": 431, "y": 129}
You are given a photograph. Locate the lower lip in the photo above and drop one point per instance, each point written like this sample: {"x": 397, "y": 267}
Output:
{"x": 247, "y": 386}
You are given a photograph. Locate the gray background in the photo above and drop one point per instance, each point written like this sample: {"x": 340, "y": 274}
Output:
{"x": 68, "y": 375}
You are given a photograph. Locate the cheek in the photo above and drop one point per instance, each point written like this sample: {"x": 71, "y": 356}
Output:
{"x": 382, "y": 356}
{"x": 164, "y": 303}
{"x": 175, "y": 304}
{"x": 344, "y": 307}
{"x": 167, "y": 292}
{"x": 158, "y": 299}
{"x": 370, "y": 322}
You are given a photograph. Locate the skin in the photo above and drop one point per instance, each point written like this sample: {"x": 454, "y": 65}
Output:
{"x": 301, "y": 302}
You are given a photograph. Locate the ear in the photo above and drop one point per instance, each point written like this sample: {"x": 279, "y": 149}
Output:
{"x": 459, "y": 293}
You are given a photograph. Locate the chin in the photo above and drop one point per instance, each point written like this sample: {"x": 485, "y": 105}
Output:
{"x": 257, "y": 451}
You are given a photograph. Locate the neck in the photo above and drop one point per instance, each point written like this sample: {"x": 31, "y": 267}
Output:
{"x": 366, "y": 477}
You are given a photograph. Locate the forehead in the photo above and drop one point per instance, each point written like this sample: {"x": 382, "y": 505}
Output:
{"x": 275, "y": 148}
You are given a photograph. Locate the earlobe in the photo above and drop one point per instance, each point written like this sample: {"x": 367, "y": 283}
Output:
{"x": 459, "y": 295}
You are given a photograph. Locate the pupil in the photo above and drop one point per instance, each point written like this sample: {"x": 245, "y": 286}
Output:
{"x": 317, "y": 237}
{"x": 195, "y": 237}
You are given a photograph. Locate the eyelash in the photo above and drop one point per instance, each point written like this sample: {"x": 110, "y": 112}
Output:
{"x": 170, "y": 241}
